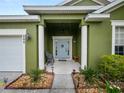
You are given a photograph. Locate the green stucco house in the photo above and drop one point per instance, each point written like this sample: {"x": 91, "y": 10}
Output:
{"x": 87, "y": 29}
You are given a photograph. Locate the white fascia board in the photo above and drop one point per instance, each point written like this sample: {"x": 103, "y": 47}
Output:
{"x": 59, "y": 9}
{"x": 62, "y": 7}
{"x": 19, "y": 18}
{"x": 116, "y": 2}
{"x": 96, "y": 17}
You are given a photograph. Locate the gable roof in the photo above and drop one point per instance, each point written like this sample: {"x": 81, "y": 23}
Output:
{"x": 112, "y": 6}
{"x": 101, "y": 2}
{"x": 84, "y": 2}
{"x": 104, "y": 2}
{"x": 64, "y": 2}
{"x": 104, "y": 12}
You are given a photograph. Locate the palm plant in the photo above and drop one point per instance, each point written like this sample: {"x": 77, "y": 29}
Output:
{"x": 91, "y": 77}
{"x": 36, "y": 75}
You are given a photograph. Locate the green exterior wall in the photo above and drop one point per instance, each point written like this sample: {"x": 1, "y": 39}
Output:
{"x": 118, "y": 14}
{"x": 100, "y": 37}
{"x": 31, "y": 45}
{"x": 99, "y": 41}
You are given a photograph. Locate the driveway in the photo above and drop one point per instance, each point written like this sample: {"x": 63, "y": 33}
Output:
{"x": 10, "y": 76}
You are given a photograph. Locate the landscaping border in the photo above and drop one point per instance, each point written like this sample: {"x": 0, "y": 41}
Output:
{"x": 7, "y": 86}
{"x": 74, "y": 82}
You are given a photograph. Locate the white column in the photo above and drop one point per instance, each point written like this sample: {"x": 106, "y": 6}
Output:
{"x": 41, "y": 46}
{"x": 83, "y": 46}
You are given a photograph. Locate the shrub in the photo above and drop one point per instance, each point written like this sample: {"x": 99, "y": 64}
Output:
{"x": 90, "y": 75}
{"x": 36, "y": 75}
{"x": 112, "y": 66}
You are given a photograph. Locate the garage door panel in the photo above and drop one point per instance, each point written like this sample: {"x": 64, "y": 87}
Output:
{"x": 11, "y": 53}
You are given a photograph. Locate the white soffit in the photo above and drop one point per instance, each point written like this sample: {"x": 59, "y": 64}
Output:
{"x": 109, "y": 6}
{"x": 59, "y": 9}
{"x": 19, "y": 18}
{"x": 96, "y": 17}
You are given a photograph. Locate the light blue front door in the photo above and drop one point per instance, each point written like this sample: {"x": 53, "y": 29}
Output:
{"x": 62, "y": 49}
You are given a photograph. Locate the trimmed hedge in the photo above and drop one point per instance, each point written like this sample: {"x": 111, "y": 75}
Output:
{"x": 112, "y": 66}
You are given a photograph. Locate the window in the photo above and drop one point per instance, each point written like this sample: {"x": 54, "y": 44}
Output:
{"x": 118, "y": 37}
{"x": 119, "y": 40}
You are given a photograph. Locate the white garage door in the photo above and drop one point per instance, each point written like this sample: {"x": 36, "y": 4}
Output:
{"x": 11, "y": 53}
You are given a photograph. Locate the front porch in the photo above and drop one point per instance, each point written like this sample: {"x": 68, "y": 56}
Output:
{"x": 64, "y": 39}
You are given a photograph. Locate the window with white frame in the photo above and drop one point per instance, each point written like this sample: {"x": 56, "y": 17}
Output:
{"x": 119, "y": 40}
{"x": 118, "y": 37}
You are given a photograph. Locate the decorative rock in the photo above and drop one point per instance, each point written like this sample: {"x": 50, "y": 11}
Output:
{"x": 25, "y": 82}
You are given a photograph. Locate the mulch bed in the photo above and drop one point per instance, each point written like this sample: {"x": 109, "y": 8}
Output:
{"x": 80, "y": 85}
{"x": 24, "y": 82}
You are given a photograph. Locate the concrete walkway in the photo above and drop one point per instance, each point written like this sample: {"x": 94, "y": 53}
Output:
{"x": 63, "y": 83}
{"x": 63, "y": 67}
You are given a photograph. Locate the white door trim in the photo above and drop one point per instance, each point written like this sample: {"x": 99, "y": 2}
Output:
{"x": 17, "y": 32}
{"x": 63, "y": 38}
